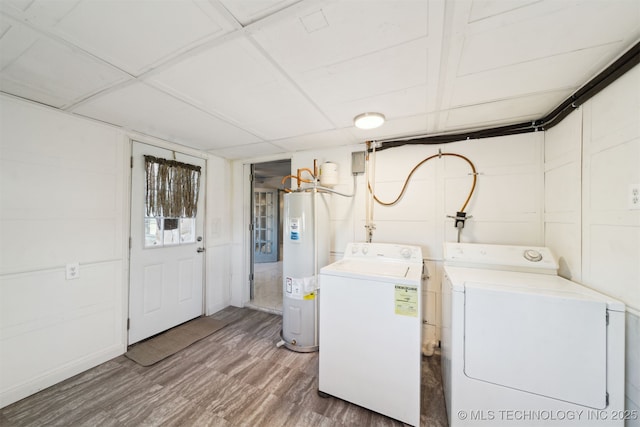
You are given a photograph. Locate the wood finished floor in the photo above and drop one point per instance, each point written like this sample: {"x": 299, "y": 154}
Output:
{"x": 235, "y": 377}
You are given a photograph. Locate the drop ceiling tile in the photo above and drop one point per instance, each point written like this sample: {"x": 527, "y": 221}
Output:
{"x": 246, "y": 151}
{"x": 139, "y": 35}
{"x": 49, "y": 72}
{"x": 321, "y": 140}
{"x": 543, "y": 75}
{"x": 248, "y": 11}
{"x": 15, "y": 39}
{"x": 400, "y": 103}
{"x": 41, "y": 13}
{"x": 483, "y": 9}
{"x": 556, "y": 32}
{"x": 144, "y": 109}
{"x": 381, "y": 72}
{"x": 17, "y": 5}
{"x": 355, "y": 28}
{"x": 505, "y": 111}
{"x": 234, "y": 80}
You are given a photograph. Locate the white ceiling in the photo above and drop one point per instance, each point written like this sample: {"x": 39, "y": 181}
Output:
{"x": 247, "y": 78}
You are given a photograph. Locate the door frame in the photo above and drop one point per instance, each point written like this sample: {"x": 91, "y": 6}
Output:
{"x": 203, "y": 190}
{"x": 248, "y": 187}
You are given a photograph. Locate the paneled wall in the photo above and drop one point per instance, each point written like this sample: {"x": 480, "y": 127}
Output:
{"x": 591, "y": 159}
{"x": 218, "y": 234}
{"x": 64, "y": 200}
{"x": 64, "y": 183}
{"x": 506, "y": 205}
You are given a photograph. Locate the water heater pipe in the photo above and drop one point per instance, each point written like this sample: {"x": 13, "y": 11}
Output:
{"x": 315, "y": 260}
{"x": 370, "y": 177}
{"x": 299, "y": 178}
{"x": 315, "y": 249}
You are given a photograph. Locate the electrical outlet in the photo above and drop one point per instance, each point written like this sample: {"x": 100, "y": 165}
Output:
{"x": 73, "y": 270}
{"x": 634, "y": 196}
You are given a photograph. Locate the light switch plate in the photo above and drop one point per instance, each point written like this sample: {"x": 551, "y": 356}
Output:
{"x": 73, "y": 270}
{"x": 634, "y": 196}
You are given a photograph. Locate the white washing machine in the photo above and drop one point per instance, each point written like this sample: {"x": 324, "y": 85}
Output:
{"x": 371, "y": 329}
{"x": 522, "y": 346}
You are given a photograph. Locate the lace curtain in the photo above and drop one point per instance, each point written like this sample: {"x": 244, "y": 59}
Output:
{"x": 172, "y": 188}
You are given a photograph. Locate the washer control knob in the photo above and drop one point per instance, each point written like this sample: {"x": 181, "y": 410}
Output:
{"x": 532, "y": 255}
{"x": 365, "y": 249}
{"x": 354, "y": 249}
{"x": 405, "y": 252}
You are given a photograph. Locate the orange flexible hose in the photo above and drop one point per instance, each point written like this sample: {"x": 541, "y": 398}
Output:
{"x": 406, "y": 182}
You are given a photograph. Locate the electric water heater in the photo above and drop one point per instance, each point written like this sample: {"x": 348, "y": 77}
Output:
{"x": 304, "y": 253}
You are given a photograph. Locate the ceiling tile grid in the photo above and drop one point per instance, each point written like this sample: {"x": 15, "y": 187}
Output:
{"x": 513, "y": 52}
{"x": 237, "y": 82}
{"x": 242, "y": 78}
{"x": 138, "y": 35}
{"x": 144, "y": 109}
{"x": 49, "y": 71}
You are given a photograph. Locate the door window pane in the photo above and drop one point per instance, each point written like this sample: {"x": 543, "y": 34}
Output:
{"x": 187, "y": 230}
{"x": 152, "y": 233}
{"x": 161, "y": 232}
{"x": 171, "y": 235}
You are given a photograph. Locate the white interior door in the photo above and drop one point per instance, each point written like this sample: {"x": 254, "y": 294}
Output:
{"x": 265, "y": 225}
{"x": 166, "y": 283}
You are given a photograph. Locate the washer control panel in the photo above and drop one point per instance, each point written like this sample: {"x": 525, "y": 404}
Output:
{"x": 387, "y": 251}
{"x": 500, "y": 257}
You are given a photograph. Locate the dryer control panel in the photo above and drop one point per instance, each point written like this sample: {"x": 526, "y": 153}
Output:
{"x": 532, "y": 259}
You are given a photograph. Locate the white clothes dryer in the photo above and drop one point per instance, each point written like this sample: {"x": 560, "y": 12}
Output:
{"x": 522, "y": 346}
{"x": 371, "y": 329}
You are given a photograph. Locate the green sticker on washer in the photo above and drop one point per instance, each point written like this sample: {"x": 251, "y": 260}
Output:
{"x": 406, "y": 300}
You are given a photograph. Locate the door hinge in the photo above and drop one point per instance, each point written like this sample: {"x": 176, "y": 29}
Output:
{"x": 607, "y": 317}
{"x": 606, "y": 398}
{"x": 251, "y": 227}
{"x": 251, "y": 277}
{"x": 131, "y": 165}
{"x": 128, "y": 324}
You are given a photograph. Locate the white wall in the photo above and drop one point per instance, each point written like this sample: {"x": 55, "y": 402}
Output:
{"x": 590, "y": 159}
{"x": 218, "y": 234}
{"x": 64, "y": 187}
{"x": 506, "y": 206}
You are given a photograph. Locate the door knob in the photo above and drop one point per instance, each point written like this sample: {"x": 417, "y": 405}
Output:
{"x": 201, "y": 250}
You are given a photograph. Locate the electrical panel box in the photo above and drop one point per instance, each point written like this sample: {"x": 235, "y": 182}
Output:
{"x": 357, "y": 162}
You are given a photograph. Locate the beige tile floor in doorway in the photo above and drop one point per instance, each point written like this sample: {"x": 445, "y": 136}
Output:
{"x": 267, "y": 279}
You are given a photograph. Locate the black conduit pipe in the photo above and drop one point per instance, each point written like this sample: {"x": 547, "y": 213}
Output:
{"x": 626, "y": 62}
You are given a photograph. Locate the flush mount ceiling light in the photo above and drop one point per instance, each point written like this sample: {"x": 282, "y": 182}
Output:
{"x": 368, "y": 120}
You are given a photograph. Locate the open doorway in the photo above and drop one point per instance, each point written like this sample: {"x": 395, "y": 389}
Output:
{"x": 266, "y": 237}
